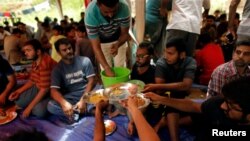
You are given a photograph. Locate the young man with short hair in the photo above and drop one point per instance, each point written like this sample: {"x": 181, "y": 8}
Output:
{"x": 142, "y": 69}
{"x": 33, "y": 95}
{"x": 107, "y": 23}
{"x": 174, "y": 73}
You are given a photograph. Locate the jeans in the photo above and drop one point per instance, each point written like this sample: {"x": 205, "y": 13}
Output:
{"x": 73, "y": 97}
{"x": 39, "y": 110}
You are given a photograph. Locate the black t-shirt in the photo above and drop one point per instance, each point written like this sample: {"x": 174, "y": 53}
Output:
{"x": 147, "y": 77}
{"x": 213, "y": 118}
{"x": 5, "y": 70}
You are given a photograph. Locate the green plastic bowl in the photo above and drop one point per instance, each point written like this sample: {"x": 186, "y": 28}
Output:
{"x": 121, "y": 75}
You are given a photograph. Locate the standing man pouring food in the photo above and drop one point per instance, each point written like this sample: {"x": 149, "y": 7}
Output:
{"x": 107, "y": 24}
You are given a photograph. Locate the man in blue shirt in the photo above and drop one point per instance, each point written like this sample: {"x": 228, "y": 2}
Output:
{"x": 70, "y": 80}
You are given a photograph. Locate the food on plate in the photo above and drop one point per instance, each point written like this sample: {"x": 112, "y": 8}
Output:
{"x": 110, "y": 126}
{"x": 10, "y": 115}
{"x": 96, "y": 97}
{"x": 140, "y": 101}
{"x": 116, "y": 92}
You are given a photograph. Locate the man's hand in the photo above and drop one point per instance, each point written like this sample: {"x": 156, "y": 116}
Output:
{"x": 26, "y": 112}
{"x": 68, "y": 110}
{"x": 2, "y": 99}
{"x": 13, "y": 96}
{"x": 114, "y": 49}
{"x": 109, "y": 72}
{"x": 149, "y": 88}
{"x": 155, "y": 98}
{"x": 102, "y": 105}
{"x": 81, "y": 106}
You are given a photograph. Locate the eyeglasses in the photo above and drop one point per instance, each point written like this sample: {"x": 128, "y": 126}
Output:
{"x": 141, "y": 56}
{"x": 231, "y": 106}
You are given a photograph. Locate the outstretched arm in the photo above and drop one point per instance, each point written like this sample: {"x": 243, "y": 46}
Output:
{"x": 184, "y": 105}
{"x": 145, "y": 131}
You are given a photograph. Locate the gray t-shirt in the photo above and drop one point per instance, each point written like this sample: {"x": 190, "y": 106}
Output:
{"x": 72, "y": 77}
{"x": 170, "y": 74}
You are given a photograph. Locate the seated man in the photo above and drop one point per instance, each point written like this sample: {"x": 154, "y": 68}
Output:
{"x": 228, "y": 113}
{"x": 236, "y": 68}
{"x": 33, "y": 95}
{"x": 174, "y": 73}
{"x": 7, "y": 82}
{"x": 142, "y": 69}
{"x": 71, "y": 79}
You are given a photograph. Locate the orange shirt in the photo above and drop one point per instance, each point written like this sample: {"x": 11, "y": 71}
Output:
{"x": 41, "y": 73}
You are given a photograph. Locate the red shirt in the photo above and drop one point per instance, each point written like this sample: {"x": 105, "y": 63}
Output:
{"x": 208, "y": 58}
{"x": 41, "y": 73}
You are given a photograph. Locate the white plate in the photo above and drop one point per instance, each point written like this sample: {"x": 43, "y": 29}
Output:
{"x": 139, "y": 83}
{"x": 10, "y": 116}
{"x": 110, "y": 127}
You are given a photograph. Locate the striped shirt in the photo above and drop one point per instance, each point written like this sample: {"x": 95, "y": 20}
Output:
{"x": 41, "y": 73}
{"x": 106, "y": 30}
{"x": 223, "y": 74}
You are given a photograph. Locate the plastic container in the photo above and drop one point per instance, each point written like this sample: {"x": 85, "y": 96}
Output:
{"x": 121, "y": 75}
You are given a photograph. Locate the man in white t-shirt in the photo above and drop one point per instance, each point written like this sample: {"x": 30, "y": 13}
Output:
{"x": 243, "y": 31}
{"x": 186, "y": 21}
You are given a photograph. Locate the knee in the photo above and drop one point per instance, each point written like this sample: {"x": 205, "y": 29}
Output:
{"x": 39, "y": 111}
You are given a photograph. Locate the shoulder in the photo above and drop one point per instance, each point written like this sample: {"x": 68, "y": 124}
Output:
{"x": 123, "y": 9}
{"x": 223, "y": 67}
{"x": 189, "y": 62}
{"x": 82, "y": 59}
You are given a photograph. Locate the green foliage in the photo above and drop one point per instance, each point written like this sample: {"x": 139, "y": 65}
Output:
{"x": 71, "y": 8}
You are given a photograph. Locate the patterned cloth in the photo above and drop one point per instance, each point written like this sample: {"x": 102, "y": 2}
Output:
{"x": 40, "y": 73}
{"x": 222, "y": 75}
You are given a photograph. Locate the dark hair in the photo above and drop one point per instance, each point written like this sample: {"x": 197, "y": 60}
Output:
{"x": 81, "y": 28}
{"x": 237, "y": 91}
{"x": 58, "y": 28}
{"x": 108, "y": 3}
{"x": 178, "y": 43}
{"x": 205, "y": 37}
{"x": 147, "y": 45}
{"x": 68, "y": 29}
{"x": 243, "y": 43}
{"x": 63, "y": 41}
{"x": 210, "y": 17}
{"x": 16, "y": 31}
{"x": 28, "y": 136}
{"x": 36, "y": 44}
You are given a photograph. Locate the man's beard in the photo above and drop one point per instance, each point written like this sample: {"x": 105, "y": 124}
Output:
{"x": 142, "y": 64}
{"x": 240, "y": 63}
{"x": 177, "y": 63}
{"x": 34, "y": 58}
